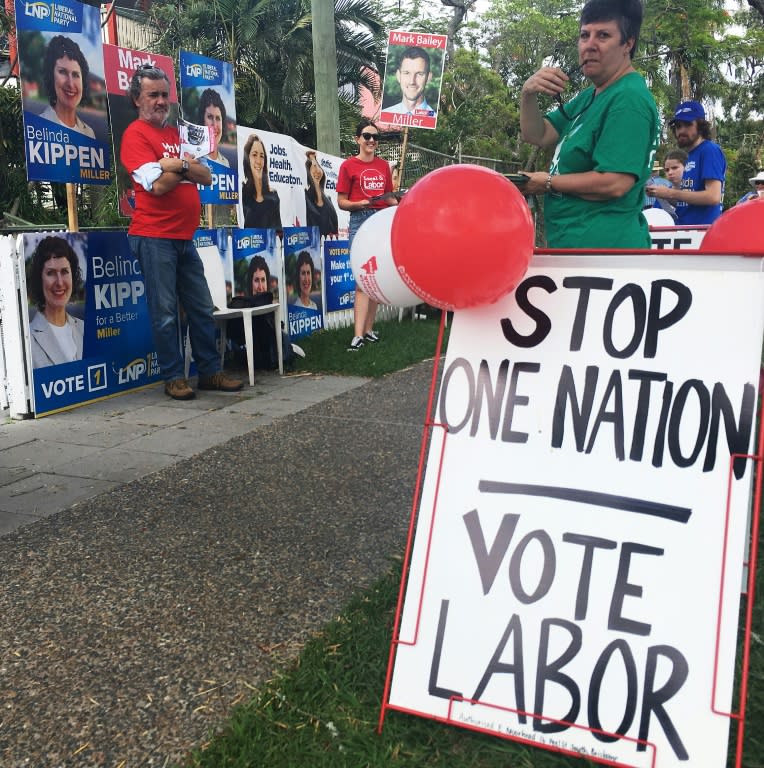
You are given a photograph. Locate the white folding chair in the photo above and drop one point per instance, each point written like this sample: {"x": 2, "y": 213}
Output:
{"x": 213, "y": 271}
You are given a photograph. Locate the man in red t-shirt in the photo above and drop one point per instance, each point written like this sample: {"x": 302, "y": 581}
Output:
{"x": 362, "y": 182}
{"x": 167, "y": 209}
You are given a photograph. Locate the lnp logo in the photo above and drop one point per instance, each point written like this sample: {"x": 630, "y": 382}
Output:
{"x": 132, "y": 371}
{"x": 205, "y": 71}
{"x": 38, "y": 10}
{"x": 298, "y": 238}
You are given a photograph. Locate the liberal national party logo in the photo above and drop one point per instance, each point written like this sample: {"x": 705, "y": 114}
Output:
{"x": 49, "y": 16}
{"x": 203, "y": 71}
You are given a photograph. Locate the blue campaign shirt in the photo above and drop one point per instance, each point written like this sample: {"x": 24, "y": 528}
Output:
{"x": 706, "y": 161}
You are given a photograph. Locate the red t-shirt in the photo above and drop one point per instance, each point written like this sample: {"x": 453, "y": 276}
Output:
{"x": 360, "y": 180}
{"x": 174, "y": 215}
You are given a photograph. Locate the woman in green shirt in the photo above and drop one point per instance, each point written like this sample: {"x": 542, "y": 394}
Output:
{"x": 605, "y": 138}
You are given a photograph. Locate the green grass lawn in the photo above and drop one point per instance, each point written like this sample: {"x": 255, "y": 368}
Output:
{"x": 322, "y": 710}
{"x": 401, "y": 344}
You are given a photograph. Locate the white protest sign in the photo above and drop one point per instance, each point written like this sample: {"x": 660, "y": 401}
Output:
{"x": 565, "y": 575}
{"x": 677, "y": 238}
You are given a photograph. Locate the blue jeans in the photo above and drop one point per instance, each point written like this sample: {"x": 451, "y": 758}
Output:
{"x": 173, "y": 273}
{"x": 356, "y": 219}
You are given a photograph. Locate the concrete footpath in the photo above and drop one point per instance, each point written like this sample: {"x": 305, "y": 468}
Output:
{"x": 160, "y": 559}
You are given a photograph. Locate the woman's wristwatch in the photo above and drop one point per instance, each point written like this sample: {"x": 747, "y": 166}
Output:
{"x": 548, "y": 183}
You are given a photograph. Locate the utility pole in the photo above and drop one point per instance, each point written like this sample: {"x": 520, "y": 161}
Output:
{"x": 325, "y": 75}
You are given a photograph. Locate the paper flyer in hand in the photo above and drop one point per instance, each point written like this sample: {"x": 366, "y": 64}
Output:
{"x": 196, "y": 140}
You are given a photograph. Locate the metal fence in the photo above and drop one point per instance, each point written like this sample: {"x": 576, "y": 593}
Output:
{"x": 419, "y": 161}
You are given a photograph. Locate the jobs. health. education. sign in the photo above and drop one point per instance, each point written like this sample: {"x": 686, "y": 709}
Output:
{"x": 565, "y": 580}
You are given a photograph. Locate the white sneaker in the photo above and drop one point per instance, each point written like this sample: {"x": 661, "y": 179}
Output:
{"x": 356, "y": 344}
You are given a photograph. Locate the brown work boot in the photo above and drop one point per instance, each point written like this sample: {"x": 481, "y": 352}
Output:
{"x": 220, "y": 382}
{"x": 178, "y": 389}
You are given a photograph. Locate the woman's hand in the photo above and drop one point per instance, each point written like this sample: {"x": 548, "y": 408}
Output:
{"x": 548, "y": 80}
{"x": 536, "y": 184}
{"x": 663, "y": 192}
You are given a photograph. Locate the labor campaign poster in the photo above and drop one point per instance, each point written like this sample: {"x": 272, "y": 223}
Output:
{"x": 121, "y": 64}
{"x": 66, "y": 129}
{"x": 573, "y": 554}
{"x": 413, "y": 77}
{"x": 207, "y": 97}
{"x": 89, "y": 329}
{"x": 338, "y": 276}
{"x": 272, "y": 179}
{"x": 321, "y": 207}
{"x": 256, "y": 262}
{"x": 303, "y": 270}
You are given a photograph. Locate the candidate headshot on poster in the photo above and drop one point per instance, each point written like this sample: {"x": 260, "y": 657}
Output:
{"x": 66, "y": 129}
{"x": 252, "y": 247}
{"x": 319, "y": 209}
{"x": 412, "y": 79}
{"x": 207, "y": 96}
{"x": 261, "y": 204}
{"x": 54, "y": 279}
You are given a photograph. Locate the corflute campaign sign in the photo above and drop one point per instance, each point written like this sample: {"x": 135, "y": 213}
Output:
{"x": 66, "y": 130}
{"x": 302, "y": 265}
{"x": 570, "y": 556}
{"x": 89, "y": 329}
{"x": 207, "y": 96}
{"x": 413, "y": 78}
{"x": 338, "y": 276}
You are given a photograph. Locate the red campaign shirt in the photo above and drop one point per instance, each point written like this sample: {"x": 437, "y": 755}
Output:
{"x": 174, "y": 215}
{"x": 360, "y": 180}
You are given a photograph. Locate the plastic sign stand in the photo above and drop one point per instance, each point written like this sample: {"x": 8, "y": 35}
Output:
{"x": 574, "y": 578}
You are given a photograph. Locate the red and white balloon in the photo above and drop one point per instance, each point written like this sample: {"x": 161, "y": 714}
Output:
{"x": 462, "y": 237}
{"x": 371, "y": 259}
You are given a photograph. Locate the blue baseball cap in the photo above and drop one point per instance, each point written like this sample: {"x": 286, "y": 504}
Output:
{"x": 688, "y": 111}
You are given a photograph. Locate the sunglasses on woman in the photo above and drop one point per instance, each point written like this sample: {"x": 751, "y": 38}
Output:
{"x": 370, "y": 136}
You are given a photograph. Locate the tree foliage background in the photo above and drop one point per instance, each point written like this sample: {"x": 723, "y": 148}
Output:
{"x": 709, "y": 50}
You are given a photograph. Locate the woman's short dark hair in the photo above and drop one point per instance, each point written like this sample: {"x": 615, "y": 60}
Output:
{"x": 210, "y": 98}
{"x": 257, "y": 263}
{"x": 304, "y": 258}
{"x": 59, "y": 47}
{"x": 248, "y": 168}
{"x": 51, "y": 248}
{"x": 627, "y": 14}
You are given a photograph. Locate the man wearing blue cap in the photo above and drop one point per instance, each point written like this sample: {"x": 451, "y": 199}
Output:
{"x": 698, "y": 200}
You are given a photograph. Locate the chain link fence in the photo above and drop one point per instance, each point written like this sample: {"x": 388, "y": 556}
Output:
{"x": 419, "y": 161}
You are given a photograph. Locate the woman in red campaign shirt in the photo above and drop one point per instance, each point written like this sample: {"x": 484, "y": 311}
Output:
{"x": 363, "y": 179}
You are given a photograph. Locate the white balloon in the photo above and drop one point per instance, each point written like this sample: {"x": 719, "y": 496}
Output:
{"x": 657, "y": 217}
{"x": 371, "y": 258}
